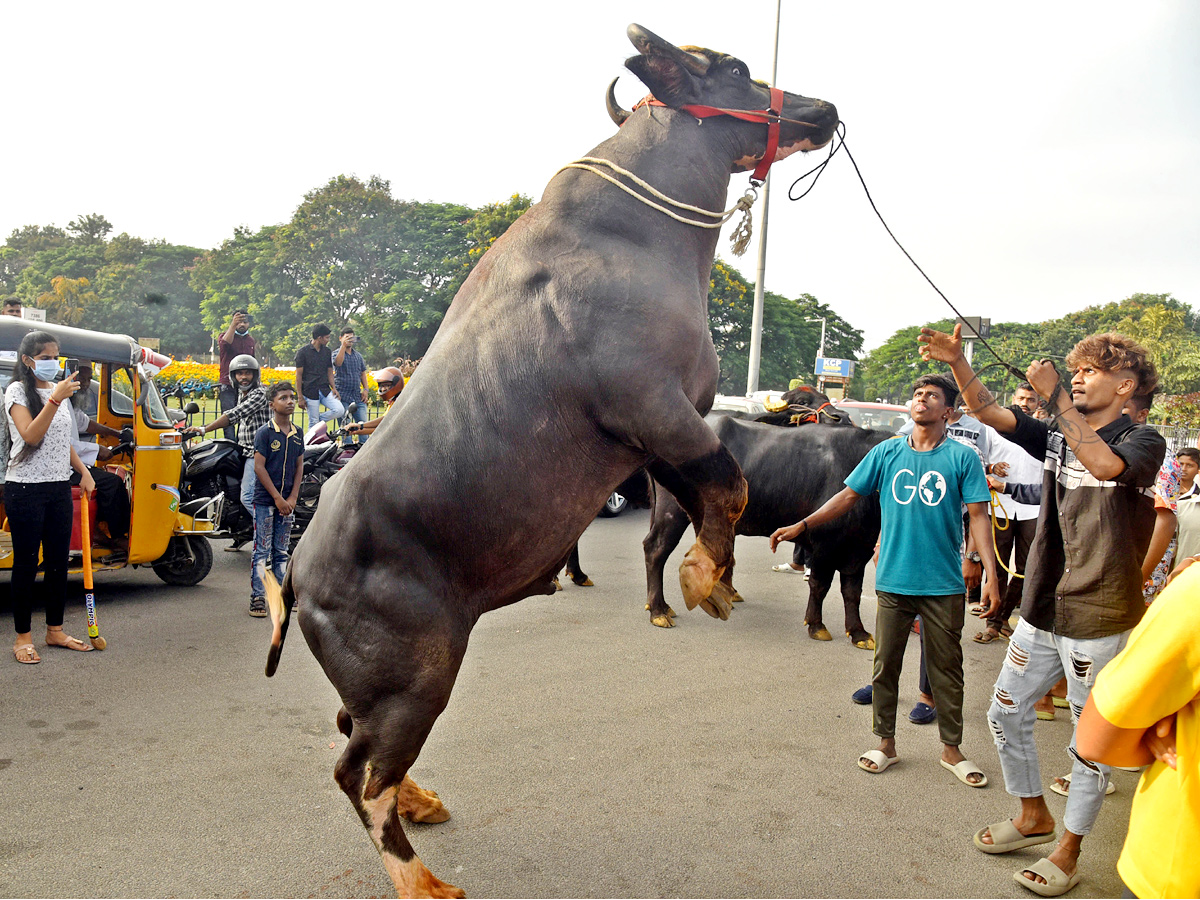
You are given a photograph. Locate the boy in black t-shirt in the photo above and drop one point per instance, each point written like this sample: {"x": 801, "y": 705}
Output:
{"x": 278, "y": 467}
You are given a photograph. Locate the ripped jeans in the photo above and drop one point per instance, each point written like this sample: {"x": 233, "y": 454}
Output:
{"x": 1035, "y": 660}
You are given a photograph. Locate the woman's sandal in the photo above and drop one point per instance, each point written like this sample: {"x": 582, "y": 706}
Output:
{"x": 72, "y": 643}
{"x": 26, "y": 654}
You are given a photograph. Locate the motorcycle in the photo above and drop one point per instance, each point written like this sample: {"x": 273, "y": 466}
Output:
{"x": 213, "y": 469}
{"x": 326, "y": 452}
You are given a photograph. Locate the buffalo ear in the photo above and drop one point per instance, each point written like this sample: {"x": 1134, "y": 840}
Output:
{"x": 668, "y": 80}
{"x": 673, "y": 75}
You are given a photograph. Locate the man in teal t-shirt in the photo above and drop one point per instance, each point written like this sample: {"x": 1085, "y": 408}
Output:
{"x": 922, "y": 481}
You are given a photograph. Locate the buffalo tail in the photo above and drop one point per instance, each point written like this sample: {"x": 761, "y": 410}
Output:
{"x": 279, "y": 602}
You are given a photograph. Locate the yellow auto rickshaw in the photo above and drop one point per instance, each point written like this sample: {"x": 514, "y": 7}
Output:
{"x": 163, "y": 533}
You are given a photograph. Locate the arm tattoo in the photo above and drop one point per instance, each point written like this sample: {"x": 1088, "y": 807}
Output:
{"x": 983, "y": 399}
{"x": 1074, "y": 431}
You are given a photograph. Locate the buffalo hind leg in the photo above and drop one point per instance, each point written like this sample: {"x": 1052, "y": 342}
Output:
{"x": 820, "y": 580}
{"x": 852, "y": 582}
{"x": 384, "y": 741}
{"x": 713, "y": 492}
{"x": 667, "y": 525}
{"x": 381, "y": 798}
{"x": 575, "y": 570}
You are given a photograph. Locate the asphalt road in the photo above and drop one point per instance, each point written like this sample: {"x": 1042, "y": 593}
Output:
{"x": 584, "y": 753}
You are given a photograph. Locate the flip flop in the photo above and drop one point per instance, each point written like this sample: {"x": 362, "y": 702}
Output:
{"x": 977, "y": 610}
{"x": 1058, "y": 786}
{"x": 30, "y": 654}
{"x": 786, "y": 569}
{"x": 963, "y": 769}
{"x": 1061, "y": 703}
{"x": 1057, "y": 883}
{"x": 1045, "y": 715}
{"x": 987, "y": 637}
{"x": 881, "y": 761}
{"x": 1006, "y": 838}
{"x": 73, "y": 643}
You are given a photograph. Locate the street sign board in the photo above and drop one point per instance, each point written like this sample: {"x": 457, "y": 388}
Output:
{"x": 834, "y": 368}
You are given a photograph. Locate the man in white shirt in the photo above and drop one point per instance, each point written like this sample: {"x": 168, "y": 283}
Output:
{"x": 1021, "y": 517}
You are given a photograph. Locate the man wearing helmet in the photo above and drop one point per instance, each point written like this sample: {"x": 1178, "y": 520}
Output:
{"x": 391, "y": 383}
{"x": 251, "y": 413}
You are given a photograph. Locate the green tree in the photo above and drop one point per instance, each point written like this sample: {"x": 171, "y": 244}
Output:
{"x": 243, "y": 273}
{"x": 790, "y": 337}
{"x": 19, "y": 250}
{"x": 68, "y": 299}
{"x": 144, "y": 291}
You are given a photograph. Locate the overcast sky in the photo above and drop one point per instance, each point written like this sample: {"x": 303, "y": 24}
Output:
{"x": 1035, "y": 158}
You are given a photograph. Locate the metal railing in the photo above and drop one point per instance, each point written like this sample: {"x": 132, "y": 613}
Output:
{"x": 1178, "y": 436}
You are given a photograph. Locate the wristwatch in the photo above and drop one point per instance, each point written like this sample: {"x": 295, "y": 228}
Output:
{"x": 974, "y": 556}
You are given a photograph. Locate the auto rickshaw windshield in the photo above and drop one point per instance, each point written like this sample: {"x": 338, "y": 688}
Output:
{"x": 121, "y": 402}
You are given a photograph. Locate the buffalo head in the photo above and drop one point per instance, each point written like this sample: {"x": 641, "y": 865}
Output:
{"x": 680, "y": 77}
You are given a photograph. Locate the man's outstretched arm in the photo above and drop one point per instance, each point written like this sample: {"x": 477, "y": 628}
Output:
{"x": 980, "y": 403}
{"x": 837, "y": 505}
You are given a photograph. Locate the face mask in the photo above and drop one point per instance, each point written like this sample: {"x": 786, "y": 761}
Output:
{"x": 45, "y": 369}
{"x": 242, "y": 333}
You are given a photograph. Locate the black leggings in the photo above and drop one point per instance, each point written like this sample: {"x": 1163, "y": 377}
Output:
{"x": 40, "y": 514}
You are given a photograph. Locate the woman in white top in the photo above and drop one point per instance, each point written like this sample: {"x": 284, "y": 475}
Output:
{"x": 37, "y": 489}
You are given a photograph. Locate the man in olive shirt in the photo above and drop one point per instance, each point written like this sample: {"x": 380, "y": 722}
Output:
{"x": 1083, "y": 582}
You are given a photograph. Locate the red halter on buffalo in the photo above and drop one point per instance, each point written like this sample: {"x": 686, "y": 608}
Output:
{"x": 771, "y": 117}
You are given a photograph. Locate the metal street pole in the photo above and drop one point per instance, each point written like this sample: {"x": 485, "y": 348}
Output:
{"x": 756, "y": 322}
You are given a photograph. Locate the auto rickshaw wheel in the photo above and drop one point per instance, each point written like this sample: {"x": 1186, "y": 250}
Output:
{"x": 181, "y": 567}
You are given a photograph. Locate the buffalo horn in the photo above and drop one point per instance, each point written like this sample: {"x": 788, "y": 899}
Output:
{"x": 615, "y": 112}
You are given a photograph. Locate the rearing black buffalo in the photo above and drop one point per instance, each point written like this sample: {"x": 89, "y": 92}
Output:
{"x": 577, "y": 350}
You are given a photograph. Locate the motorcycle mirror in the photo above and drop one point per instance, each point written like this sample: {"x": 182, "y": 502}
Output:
{"x": 192, "y": 408}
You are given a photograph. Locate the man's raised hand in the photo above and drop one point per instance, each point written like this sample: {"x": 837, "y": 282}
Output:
{"x": 937, "y": 345}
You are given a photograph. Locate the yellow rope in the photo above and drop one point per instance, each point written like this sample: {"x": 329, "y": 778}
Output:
{"x": 994, "y": 505}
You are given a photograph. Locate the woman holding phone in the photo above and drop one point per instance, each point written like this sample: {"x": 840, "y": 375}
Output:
{"x": 37, "y": 489}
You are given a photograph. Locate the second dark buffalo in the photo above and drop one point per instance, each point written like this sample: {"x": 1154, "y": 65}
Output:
{"x": 790, "y": 473}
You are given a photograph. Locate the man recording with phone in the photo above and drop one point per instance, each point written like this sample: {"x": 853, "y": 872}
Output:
{"x": 236, "y": 341}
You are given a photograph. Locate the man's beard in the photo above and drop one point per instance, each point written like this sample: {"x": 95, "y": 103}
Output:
{"x": 79, "y": 399}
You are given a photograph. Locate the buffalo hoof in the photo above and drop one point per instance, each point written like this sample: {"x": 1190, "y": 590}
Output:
{"x": 698, "y": 576}
{"x": 419, "y": 805}
{"x": 557, "y": 585}
{"x": 738, "y": 598}
{"x": 670, "y": 612}
{"x": 662, "y": 621}
{"x": 583, "y": 581}
{"x": 862, "y": 640}
{"x": 819, "y": 633}
{"x": 719, "y": 604}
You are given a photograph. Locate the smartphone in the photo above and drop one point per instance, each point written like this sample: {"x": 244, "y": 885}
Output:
{"x": 72, "y": 366}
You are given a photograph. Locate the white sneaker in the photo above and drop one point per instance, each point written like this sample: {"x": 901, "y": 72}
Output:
{"x": 786, "y": 569}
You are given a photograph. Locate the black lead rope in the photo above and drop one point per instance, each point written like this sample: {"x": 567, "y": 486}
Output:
{"x": 840, "y": 131}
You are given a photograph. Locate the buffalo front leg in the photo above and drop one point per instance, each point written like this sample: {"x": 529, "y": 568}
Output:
{"x": 712, "y": 490}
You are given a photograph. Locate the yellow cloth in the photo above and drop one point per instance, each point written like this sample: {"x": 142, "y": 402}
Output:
{"x": 1157, "y": 674}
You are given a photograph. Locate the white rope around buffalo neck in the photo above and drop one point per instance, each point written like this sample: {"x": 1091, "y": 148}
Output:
{"x": 740, "y": 238}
